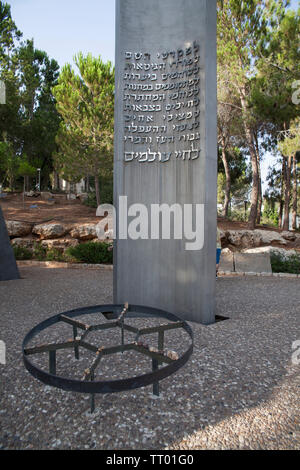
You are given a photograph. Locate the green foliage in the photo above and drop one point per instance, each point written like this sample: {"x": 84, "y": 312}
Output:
{"x": 238, "y": 215}
{"x": 39, "y": 252}
{"x": 29, "y": 120}
{"x": 85, "y": 101}
{"x": 106, "y": 188}
{"x": 22, "y": 253}
{"x": 92, "y": 253}
{"x": 54, "y": 255}
{"x": 281, "y": 264}
{"x": 25, "y": 169}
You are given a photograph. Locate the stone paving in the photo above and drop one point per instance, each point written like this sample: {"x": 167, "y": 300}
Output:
{"x": 240, "y": 390}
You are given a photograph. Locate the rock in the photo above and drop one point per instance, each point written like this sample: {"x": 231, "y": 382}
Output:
{"x": 243, "y": 238}
{"x": 272, "y": 249}
{"x": 84, "y": 232}
{"x": 253, "y": 238}
{"x": 45, "y": 195}
{"x": 18, "y": 229}
{"x": 30, "y": 194}
{"x": 270, "y": 236}
{"x": 290, "y": 236}
{"x": 49, "y": 231}
{"x": 23, "y": 243}
{"x": 71, "y": 197}
{"x": 60, "y": 244}
{"x": 172, "y": 355}
{"x": 83, "y": 197}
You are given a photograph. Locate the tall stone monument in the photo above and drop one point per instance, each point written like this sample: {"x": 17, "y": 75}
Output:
{"x": 166, "y": 156}
{"x": 8, "y": 265}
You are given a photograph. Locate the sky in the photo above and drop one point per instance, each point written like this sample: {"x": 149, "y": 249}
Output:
{"x": 63, "y": 28}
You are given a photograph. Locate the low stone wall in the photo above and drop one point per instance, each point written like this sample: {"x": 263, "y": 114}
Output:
{"x": 52, "y": 235}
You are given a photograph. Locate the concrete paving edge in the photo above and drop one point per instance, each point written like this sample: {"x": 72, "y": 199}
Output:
{"x": 56, "y": 265}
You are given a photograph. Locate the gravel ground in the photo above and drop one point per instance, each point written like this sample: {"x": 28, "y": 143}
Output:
{"x": 239, "y": 390}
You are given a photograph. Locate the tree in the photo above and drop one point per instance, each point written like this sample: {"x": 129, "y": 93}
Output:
{"x": 86, "y": 103}
{"x": 243, "y": 28}
{"x": 28, "y": 121}
{"x": 25, "y": 170}
{"x": 289, "y": 148}
{"x": 229, "y": 122}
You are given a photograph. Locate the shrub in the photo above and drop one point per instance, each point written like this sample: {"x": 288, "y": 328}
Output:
{"x": 281, "y": 264}
{"x": 54, "y": 255}
{"x": 22, "y": 253}
{"x": 39, "y": 252}
{"x": 92, "y": 253}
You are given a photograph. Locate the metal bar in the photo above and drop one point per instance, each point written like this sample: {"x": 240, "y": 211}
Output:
{"x": 104, "y": 326}
{"x": 91, "y": 370}
{"x": 155, "y": 329}
{"x": 52, "y": 362}
{"x": 107, "y": 351}
{"x": 50, "y": 347}
{"x": 76, "y": 348}
{"x": 124, "y": 311}
{"x": 92, "y": 395}
{"x": 130, "y": 328}
{"x": 161, "y": 337}
{"x": 122, "y": 333}
{"x": 159, "y": 357}
{"x": 155, "y": 384}
{"x": 79, "y": 324}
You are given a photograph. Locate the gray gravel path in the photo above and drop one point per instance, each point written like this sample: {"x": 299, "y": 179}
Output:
{"x": 240, "y": 390}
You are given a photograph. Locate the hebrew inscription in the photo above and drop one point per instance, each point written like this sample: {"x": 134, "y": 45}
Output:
{"x": 162, "y": 105}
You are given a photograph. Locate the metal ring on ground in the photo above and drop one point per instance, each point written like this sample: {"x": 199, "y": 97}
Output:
{"x": 110, "y": 386}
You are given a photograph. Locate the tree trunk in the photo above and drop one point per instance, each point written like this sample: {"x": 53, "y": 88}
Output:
{"x": 283, "y": 171}
{"x": 295, "y": 195}
{"x": 228, "y": 180}
{"x": 97, "y": 190}
{"x": 287, "y": 195}
{"x": 55, "y": 181}
{"x": 259, "y": 206}
{"x": 255, "y": 171}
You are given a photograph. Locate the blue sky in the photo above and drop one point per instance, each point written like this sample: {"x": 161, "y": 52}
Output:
{"x": 64, "y": 27}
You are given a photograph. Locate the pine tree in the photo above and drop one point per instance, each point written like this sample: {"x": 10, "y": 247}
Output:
{"x": 85, "y": 101}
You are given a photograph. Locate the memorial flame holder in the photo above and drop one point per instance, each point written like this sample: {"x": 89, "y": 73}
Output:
{"x": 115, "y": 316}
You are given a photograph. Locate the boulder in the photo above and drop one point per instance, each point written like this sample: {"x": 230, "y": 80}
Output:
{"x": 272, "y": 249}
{"x": 27, "y": 243}
{"x": 18, "y": 229}
{"x": 83, "y": 197}
{"x": 271, "y": 236}
{"x": 290, "y": 236}
{"x": 241, "y": 239}
{"x": 45, "y": 195}
{"x": 59, "y": 244}
{"x": 84, "y": 232}
{"x": 49, "y": 231}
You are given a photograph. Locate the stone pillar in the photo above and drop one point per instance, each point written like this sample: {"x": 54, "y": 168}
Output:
{"x": 8, "y": 265}
{"x": 166, "y": 150}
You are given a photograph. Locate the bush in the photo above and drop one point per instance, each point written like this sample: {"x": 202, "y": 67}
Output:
{"x": 281, "y": 264}
{"x": 91, "y": 200}
{"x": 92, "y": 253}
{"x": 22, "y": 253}
{"x": 54, "y": 255}
{"x": 39, "y": 252}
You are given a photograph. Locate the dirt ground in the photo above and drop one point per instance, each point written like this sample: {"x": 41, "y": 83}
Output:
{"x": 39, "y": 211}
{"x": 44, "y": 211}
